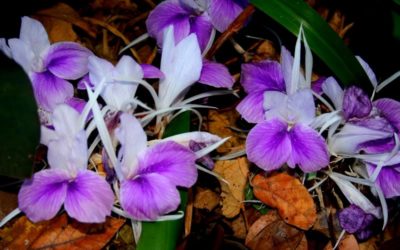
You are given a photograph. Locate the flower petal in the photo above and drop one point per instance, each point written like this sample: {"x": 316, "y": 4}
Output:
{"x": 171, "y": 160}
{"x": 216, "y": 75}
{"x": 133, "y": 140}
{"x": 389, "y": 109}
{"x": 22, "y": 54}
{"x": 388, "y": 180}
{"x": 50, "y": 90}
{"x": 275, "y": 105}
{"x": 268, "y": 144}
{"x": 99, "y": 70}
{"x": 223, "y": 12}
{"x": 251, "y": 107}
{"x": 356, "y": 103}
{"x": 200, "y": 137}
{"x": 89, "y": 198}
{"x": 150, "y": 71}
{"x": 181, "y": 65}
{"x": 41, "y": 197}
{"x": 351, "y": 218}
{"x": 128, "y": 70}
{"x": 149, "y": 196}
{"x": 67, "y": 60}
{"x": 34, "y": 35}
{"x": 309, "y": 149}
{"x": 368, "y": 70}
{"x": 202, "y": 27}
{"x": 5, "y": 48}
{"x": 301, "y": 107}
{"x": 165, "y": 14}
{"x": 332, "y": 89}
{"x": 76, "y": 103}
{"x": 262, "y": 76}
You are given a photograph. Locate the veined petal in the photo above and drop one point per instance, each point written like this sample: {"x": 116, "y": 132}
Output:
{"x": 262, "y": 76}
{"x": 388, "y": 180}
{"x": 389, "y": 109}
{"x": 50, "y": 90}
{"x": 34, "y": 35}
{"x": 22, "y": 54}
{"x": 133, "y": 140}
{"x": 41, "y": 197}
{"x": 268, "y": 144}
{"x": 181, "y": 65}
{"x": 223, "y": 12}
{"x": 67, "y": 60}
{"x": 309, "y": 149}
{"x": 347, "y": 141}
{"x": 149, "y": 196}
{"x": 251, "y": 107}
{"x": 171, "y": 160}
{"x": 165, "y": 14}
{"x": 150, "y": 71}
{"x": 332, "y": 89}
{"x": 89, "y": 198}
{"x": 356, "y": 103}
{"x": 216, "y": 75}
{"x": 301, "y": 107}
{"x": 202, "y": 27}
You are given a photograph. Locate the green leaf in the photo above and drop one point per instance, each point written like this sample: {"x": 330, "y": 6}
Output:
{"x": 19, "y": 129}
{"x": 324, "y": 42}
{"x": 164, "y": 235}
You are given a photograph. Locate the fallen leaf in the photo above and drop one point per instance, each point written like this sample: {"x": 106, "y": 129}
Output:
{"x": 58, "y": 233}
{"x": 286, "y": 193}
{"x": 238, "y": 226}
{"x": 348, "y": 242}
{"x": 271, "y": 232}
{"x": 8, "y": 202}
{"x": 235, "y": 172}
{"x": 206, "y": 199}
{"x": 219, "y": 124}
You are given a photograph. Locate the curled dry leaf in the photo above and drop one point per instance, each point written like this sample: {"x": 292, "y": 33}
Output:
{"x": 206, "y": 199}
{"x": 235, "y": 172}
{"x": 58, "y": 233}
{"x": 286, "y": 193}
{"x": 238, "y": 226}
{"x": 271, "y": 232}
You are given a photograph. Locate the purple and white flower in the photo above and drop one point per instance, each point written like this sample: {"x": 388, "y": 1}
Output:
{"x": 85, "y": 195}
{"x": 48, "y": 66}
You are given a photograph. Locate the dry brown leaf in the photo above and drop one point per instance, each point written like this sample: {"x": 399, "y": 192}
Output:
{"x": 348, "y": 242}
{"x": 271, "y": 232}
{"x": 8, "y": 202}
{"x": 206, "y": 199}
{"x": 286, "y": 193}
{"x": 235, "y": 172}
{"x": 219, "y": 123}
{"x": 58, "y": 233}
{"x": 238, "y": 226}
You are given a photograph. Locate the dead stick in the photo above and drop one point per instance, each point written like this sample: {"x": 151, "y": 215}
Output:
{"x": 233, "y": 28}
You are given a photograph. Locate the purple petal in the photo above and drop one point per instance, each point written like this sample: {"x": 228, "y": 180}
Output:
{"x": 223, "y": 12}
{"x": 67, "y": 60}
{"x": 165, "y": 14}
{"x": 202, "y": 27}
{"x": 388, "y": 180}
{"x": 309, "y": 149}
{"x": 89, "y": 198}
{"x": 251, "y": 107}
{"x": 389, "y": 109}
{"x": 374, "y": 122}
{"x": 216, "y": 75}
{"x": 150, "y": 71}
{"x": 41, "y": 197}
{"x": 76, "y": 103}
{"x": 268, "y": 144}
{"x": 50, "y": 90}
{"x": 262, "y": 76}
{"x": 377, "y": 146}
{"x": 85, "y": 80}
{"x": 316, "y": 85}
{"x": 149, "y": 196}
{"x": 206, "y": 160}
{"x": 356, "y": 104}
{"x": 171, "y": 160}
{"x": 351, "y": 218}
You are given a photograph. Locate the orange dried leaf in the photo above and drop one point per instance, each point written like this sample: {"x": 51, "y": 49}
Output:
{"x": 206, "y": 199}
{"x": 58, "y": 233}
{"x": 286, "y": 193}
{"x": 235, "y": 172}
{"x": 271, "y": 232}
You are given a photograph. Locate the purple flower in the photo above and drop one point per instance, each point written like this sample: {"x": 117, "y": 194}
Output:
{"x": 356, "y": 103}
{"x": 86, "y": 196}
{"x": 48, "y": 66}
{"x": 190, "y": 16}
{"x": 388, "y": 179}
{"x": 354, "y": 220}
{"x": 151, "y": 174}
